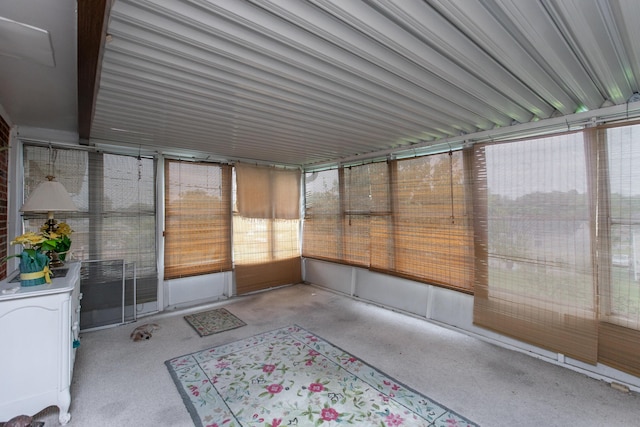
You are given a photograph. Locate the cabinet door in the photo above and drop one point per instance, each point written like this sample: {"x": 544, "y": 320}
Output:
{"x": 31, "y": 334}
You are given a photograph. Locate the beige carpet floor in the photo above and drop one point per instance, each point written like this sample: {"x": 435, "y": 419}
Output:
{"x": 118, "y": 382}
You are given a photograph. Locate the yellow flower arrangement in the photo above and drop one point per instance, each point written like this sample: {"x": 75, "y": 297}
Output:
{"x": 62, "y": 229}
{"x": 39, "y": 250}
{"x": 56, "y": 241}
{"x": 29, "y": 240}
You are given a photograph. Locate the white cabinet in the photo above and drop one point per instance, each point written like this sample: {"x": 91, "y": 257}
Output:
{"x": 39, "y": 328}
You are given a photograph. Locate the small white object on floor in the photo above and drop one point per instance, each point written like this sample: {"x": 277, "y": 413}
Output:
{"x": 11, "y": 290}
{"x": 620, "y": 387}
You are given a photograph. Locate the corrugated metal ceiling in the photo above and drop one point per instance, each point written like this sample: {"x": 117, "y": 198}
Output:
{"x": 306, "y": 82}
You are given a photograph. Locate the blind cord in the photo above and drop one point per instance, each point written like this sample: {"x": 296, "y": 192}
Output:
{"x": 349, "y": 195}
{"x": 453, "y": 221}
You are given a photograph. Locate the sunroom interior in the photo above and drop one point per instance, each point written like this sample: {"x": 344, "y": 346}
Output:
{"x": 469, "y": 163}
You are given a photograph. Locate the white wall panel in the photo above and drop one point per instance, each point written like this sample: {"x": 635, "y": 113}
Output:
{"x": 445, "y": 307}
{"x": 333, "y": 276}
{"x": 189, "y": 291}
{"x": 395, "y": 292}
{"x": 453, "y": 308}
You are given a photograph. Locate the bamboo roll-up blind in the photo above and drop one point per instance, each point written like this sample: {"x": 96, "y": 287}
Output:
{"x": 256, "y": 277}
{"x": 253, "y": 191}
{"x": 537, "y": 281}
{"x": 197, "y": 218}
{"x": 257, "y": 240}
{"x": 619, "y": 212}
{"x": 431, "y": 223}
{"x": 265, "y": 192}
{"x": 321, "y": 238}
{"x": 322, "y": 227}
{"x": 365, "y": 197}
{"x": 266, "y": 228}
{"x": 410, "y": 218}
{"x": 340, "y": 208}
{"x": 266, "y": 252}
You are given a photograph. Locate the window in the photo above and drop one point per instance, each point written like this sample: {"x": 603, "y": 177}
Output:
{"x": 622, "y": 304}
{"x": 115, "y": 195}
{"x": 409, "y": 217}
{"x": 432, "y": 221}
{"x": 534, "y": 273}
{"x": 266, "y": 228}
{"x": 197, "y": 218}
{"x": 619, "y": 246}
{"x": 322, "y": 232}
{"x": 340, "y": 209}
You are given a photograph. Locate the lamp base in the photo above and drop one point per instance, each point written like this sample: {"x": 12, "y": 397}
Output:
{"x": 54, "y": 260}
{"x": 50, "y": 225}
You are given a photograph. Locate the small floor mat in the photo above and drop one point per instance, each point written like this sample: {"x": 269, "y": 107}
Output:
{"x": 213, "y": 321}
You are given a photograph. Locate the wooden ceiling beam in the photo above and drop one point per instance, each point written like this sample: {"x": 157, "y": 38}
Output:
{"x": 93, "y": 17}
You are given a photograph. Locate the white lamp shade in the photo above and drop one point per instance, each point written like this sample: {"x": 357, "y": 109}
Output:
{"x": 49, "y": 196}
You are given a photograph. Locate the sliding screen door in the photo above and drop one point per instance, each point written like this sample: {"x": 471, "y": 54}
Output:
{"x": 115, "y": 221}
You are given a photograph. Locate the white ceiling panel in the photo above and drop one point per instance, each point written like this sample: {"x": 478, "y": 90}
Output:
{"x": 309, "y": 82}
{"x": 38, "y": 76}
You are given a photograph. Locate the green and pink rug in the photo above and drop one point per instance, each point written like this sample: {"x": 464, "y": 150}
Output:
{"x": 292, "y": 377}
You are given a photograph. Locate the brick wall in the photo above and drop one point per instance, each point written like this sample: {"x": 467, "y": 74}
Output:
{"x": 4, "y": 168}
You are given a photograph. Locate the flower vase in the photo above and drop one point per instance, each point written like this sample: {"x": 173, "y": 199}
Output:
{"x": 34, "y": 268}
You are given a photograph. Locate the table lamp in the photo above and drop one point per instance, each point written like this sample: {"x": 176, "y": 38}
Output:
{"x": 49, "y": 196}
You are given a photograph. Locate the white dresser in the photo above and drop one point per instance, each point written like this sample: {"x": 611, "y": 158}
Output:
{"x": 39, "y": 328}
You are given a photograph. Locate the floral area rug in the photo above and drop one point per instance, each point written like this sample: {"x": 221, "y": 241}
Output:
{"x": 213, "y": 321}
{"x": 292, "y": 377}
